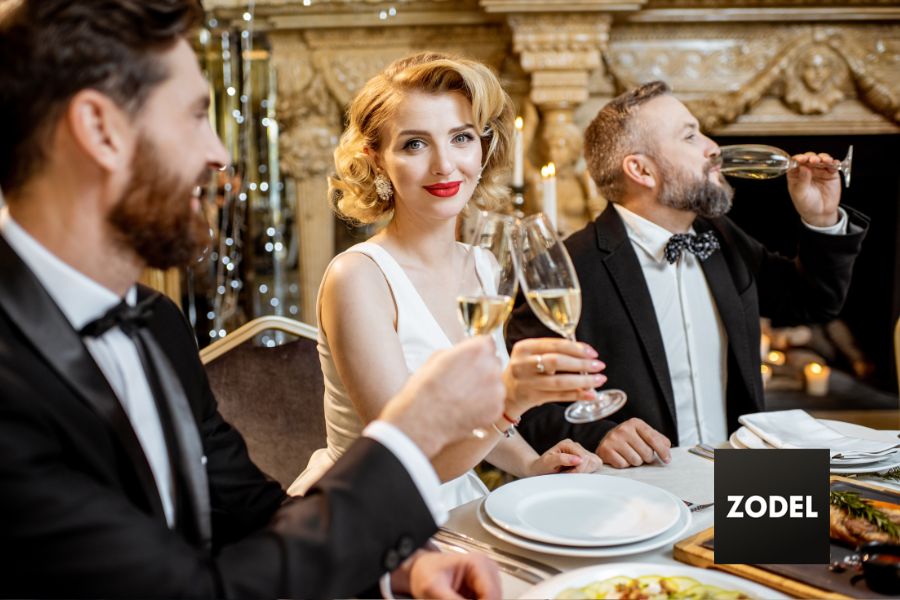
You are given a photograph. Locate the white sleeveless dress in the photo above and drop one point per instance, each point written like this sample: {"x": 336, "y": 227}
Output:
{"x": 420, "y": 336}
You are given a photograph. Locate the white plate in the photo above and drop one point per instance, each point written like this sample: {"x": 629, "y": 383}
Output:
{"x": 552, "y": 587}
{"x": 670, "y": 536}
{"x": 580, "y": 509}
{"x": 744, "y": 438}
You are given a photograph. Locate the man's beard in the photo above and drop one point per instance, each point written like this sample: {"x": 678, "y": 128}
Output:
{"x": 699, "y": 196}
{"x": 154, "y": 216}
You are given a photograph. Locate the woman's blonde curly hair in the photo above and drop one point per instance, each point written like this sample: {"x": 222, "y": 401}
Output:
{"x": 352, "y": 188}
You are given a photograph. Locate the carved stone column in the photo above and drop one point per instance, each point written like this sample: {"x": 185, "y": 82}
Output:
{"x": 560, "y": 52}
{"x": 311, "y": 123}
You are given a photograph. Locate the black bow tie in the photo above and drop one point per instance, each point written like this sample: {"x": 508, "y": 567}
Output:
{"x": 128, "y": 318}
{"x": 702, "y": 245}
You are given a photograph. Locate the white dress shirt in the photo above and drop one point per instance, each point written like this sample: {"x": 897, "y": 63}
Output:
{"x": 82, "y": 300}
{"x": 693, "y": 334}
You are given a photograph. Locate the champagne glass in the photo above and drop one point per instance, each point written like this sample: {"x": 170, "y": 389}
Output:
{"x": 756, "y": 161}
{"x": 554, "y": 295}
{"x": 489, "y": 281}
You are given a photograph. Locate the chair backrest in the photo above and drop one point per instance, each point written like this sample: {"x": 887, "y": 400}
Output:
{"x": 273, "y": 396}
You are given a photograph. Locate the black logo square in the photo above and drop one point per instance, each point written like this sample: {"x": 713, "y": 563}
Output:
{"x": 771, "y": 506}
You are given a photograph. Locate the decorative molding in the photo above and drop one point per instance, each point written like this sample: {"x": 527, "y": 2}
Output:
{"x": 811, "y": 76}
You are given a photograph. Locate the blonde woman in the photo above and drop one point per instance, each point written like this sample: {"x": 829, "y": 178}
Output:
{"x": 426, "y": 136}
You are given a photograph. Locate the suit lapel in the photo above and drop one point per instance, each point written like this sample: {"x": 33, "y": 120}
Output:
{"x": 729, "y": 305}
{"x": 626, "y": 274}
{"x": 33, "y": 311}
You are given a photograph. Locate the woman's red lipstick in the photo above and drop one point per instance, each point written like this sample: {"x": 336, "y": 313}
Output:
{"x": 443, "y": 190}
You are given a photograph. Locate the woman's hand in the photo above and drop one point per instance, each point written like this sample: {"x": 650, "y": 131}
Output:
{"x": 542, "y": 370}
{"x": 567, "y": 456}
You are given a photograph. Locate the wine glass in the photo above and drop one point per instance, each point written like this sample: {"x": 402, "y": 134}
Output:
{"x": 756, "y": 161}
{"x": 554, "y": 295}
{"x": 489, "y": 281}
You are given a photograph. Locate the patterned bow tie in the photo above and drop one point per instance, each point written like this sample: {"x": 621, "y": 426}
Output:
{"x": 128, "y": 318}
{"x": 702, "y": 245}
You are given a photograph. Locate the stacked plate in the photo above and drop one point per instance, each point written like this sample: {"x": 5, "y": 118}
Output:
{"x": 584, "y": 515}
{"x": 744, "y": 438}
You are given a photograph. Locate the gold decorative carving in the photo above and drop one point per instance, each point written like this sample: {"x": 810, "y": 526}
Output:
{"x": 560, "y": 52}
{"x": 811, "y": 76}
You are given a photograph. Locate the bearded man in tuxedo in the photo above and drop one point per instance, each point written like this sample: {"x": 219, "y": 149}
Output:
{"x": 672, "y": 290}
{"x": 119, "y": 476}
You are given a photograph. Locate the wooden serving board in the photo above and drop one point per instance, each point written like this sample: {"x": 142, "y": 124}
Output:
{"x": 696, "y": 551}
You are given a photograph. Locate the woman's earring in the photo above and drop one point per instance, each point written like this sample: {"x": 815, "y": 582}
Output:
{"x": 383, "y": 187}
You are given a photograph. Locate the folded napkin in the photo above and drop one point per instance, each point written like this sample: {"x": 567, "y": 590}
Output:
{"x": 797, "y": 429}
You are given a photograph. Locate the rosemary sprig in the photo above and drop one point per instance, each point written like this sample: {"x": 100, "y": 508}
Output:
{"x": 858, "y": 507}
{"x": 892, "y": 475}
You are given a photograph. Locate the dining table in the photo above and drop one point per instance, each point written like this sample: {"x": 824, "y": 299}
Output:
{"x": 687, "y": 476}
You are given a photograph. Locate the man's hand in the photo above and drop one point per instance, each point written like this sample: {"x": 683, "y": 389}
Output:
{"x": 454, "y": 392}
{"x": 438, "y": 575}
{"x": 632, "y": 443}
{"x": 815, "y": 188}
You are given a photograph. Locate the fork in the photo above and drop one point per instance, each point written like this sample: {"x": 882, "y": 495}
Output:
{"x": 698, "y": 507}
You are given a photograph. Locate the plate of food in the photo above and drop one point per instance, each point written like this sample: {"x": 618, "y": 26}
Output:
{"x": 651, "y": 581}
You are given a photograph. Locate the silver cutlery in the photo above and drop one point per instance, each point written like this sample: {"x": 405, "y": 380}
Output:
{"x": 699, "y": 507}
{"x": 699, "y": 450}
{"x": 521, "y": 567}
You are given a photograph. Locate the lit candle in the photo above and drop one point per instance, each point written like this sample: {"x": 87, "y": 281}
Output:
{"x": 519, "y": 155}
{"x": 548, "y": 173}
{"x": 765, "y": 342}
{"x": 766, "y": 374}
{"x": 775, "y": 358}
{"x": 816, "y": 379}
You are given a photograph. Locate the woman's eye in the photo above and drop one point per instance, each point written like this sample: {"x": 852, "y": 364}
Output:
{"x": 414, "y": 145}
{"x": 462, "y": 138}
{"x": 690, "y": 136}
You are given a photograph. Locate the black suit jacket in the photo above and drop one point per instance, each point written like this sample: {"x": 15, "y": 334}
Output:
{"x": 79, "y": 511}
{"x": 619, "y": 321}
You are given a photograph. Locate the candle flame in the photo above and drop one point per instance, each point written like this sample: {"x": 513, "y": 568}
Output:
{"x": 520, "y": 122}
{"x": 764, "y": 369}
{"x": 775, "y": 357}
{"x": 815, "y": 368}
{"x": 548, "y": 170}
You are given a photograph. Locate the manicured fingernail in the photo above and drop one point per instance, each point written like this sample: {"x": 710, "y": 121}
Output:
{"x": 588, "y": 351}
{"x": 599, "y": 378}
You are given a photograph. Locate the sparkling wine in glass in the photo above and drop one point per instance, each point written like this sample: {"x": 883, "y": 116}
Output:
{"x": 554, "y": 295}
{"x": 756, "y": 161}
{"x": 489, "y": 281}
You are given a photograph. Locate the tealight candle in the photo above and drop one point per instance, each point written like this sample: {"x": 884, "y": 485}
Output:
{"x": 548, "y": 207}
{"x": 816, "y": 376}
{"x": 775, "y": 358}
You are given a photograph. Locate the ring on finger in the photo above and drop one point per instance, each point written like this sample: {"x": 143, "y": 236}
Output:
{"x": 539, "y": 365}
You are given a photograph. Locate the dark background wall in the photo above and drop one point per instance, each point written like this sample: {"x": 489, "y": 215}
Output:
{"x": 764, "y": 209}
